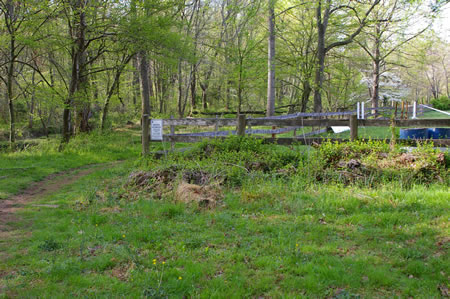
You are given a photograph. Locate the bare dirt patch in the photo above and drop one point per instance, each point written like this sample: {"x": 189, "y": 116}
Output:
{"x": 204, "y": 195}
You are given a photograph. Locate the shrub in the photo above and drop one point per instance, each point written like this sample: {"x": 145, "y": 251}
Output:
{"x": 441, "y": 103}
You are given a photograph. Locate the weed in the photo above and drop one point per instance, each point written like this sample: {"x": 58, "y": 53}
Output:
{"x": 49, "y": 245}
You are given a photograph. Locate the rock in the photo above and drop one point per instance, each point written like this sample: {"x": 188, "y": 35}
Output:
{"x": 352, "y": 164}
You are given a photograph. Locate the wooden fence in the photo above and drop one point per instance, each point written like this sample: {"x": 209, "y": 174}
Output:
{"x": 243, "y": 127}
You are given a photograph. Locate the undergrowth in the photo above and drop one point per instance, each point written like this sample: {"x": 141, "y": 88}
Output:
{"x": 236, "y": 160}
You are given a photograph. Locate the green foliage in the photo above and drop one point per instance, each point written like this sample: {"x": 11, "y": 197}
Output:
{"x": 330, "y": 153}
{"x": 49, "y": 245}
{"x": 373, "y": 163}
{"x": 441, "y": 103}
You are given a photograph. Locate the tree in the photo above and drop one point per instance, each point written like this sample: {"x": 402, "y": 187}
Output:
{"x": 325, "y": 9}
{"x": 388, "y": 31}
{"x": 22, "y": 22}
{"x": 271, "y": 60}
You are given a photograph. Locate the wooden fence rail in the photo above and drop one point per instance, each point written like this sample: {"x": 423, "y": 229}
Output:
{"x": 226, "y": 122}
{"x": 241, "y": 123}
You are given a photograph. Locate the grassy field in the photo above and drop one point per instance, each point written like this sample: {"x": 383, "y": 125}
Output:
{"x": 18, "y": 169}
{"x": 281, "y": 233}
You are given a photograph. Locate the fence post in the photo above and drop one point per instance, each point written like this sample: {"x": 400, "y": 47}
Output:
{"x": 414, "y": 110}
{"x": 145, "y": 134}
{"x": 353, "y": 127}
{"x": 172, "y": 132}
{"x": 357, "y": 109}
{"x": 216, "y": 126}
{"x": 362, "y": 110}
{"x": 240, "y": 130}
{"x": 403, "y": 108}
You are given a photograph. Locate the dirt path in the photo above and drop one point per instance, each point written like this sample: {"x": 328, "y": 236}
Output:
{"x": 49, "y": 185}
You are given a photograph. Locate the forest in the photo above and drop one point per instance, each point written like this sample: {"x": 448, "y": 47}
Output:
{"x": 74, "y": 66}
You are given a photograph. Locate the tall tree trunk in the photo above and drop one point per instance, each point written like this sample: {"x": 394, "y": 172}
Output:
{"x": 180, "y": 90}
{"x": 241, "y": 62}
{"x": 271, "y": 61}
{"x": 114, "y": 87}
{"x": 78, "y": 65}
{"x": 82, "y": 99}
{"x": 32, "y": 102}
{"x": 193, "y": 88}
{"x": 10, "y": 74}
{"x": 318, "y": 83}
{"x": 136, "y": 89}
{"x": 145, "y": 86}
{"x": 305, "y": 95}
{"x": 320, "y": 67}
{"x": 376, "y": 70}
{"x": 204, "y": 88}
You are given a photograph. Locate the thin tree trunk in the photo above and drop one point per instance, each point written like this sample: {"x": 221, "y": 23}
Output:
{"x": 193, "y": 88}
{"x": 136, "y": 89}
{"x": 114, "y": 87}
{"x": 180, "y": 90}
{"x": 376, "y": 70}
{"x": 32, "y": 102}
{"x": 204, "y": 88}
{"x": 240, "y": 86}
{"x": 10, "y": 74}
{"x": 320, "y": 67}
{"x": 271, "y": 61}
{"x": 305, "y": 95}
{"x": 145, "y": 86}
{"x": 319, "y": 71}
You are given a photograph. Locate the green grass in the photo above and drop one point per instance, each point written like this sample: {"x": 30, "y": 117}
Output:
{"x": 19, "y": 169}
{"x": 271, "y": 236}
{"x": 433, "y": 114}
{"x": 365, "y": 132}
{"x": 271, "y": 239}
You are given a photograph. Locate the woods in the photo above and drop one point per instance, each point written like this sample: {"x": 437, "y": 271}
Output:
{"x": 73, "y": 66}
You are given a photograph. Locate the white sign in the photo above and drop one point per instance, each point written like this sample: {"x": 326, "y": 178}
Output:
{"x": 340, "y": 129}
{"x": 156, "y": 132}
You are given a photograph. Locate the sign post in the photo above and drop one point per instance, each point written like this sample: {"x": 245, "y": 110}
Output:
{"x": 156, "y": 131}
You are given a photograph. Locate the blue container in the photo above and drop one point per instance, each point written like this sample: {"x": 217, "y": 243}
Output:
{"x": 413, "y": 133}
{"x": 439, "y": 133}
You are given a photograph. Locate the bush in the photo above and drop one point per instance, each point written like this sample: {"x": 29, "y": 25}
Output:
{"x": 441, "y": 103}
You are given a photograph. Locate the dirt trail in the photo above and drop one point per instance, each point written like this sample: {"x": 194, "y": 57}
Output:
{"x": 49, "y": 185}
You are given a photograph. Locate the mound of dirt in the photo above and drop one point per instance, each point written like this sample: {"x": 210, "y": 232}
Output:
{"x": 197, "y": 185}
{"x": 149, "y": 179}
{"x": 206, "y": 196}
{"x": 197, "y": 177}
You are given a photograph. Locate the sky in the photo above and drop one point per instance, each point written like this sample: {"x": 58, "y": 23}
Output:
{"x": 442, "y": 24}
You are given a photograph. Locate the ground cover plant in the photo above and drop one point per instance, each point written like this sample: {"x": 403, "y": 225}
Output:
{"x": 240, "y": 219}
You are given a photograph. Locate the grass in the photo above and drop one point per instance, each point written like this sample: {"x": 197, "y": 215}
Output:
{"x": 270, "y": 236}
{"x": 434, "y": 114}
{"x": 19, "y": 169}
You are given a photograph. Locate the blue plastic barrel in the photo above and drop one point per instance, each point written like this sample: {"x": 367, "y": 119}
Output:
{"x": 414, "y": 133}
{"x": 439, "y": 133}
